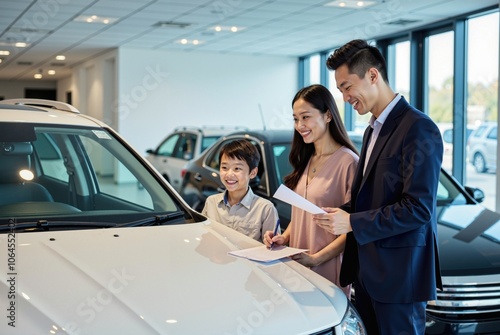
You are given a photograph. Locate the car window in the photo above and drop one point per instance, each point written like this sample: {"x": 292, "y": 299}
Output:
{"x": 168, "y": 146}
{"x": 213, "y": 158}
{"x": 185, "y": 147}
{"x": 448, "y": 193}
{"x": 282, "y": 164}
{"x": 50, "y": 157}
{"x": 448, "y": 136}
{"x": 492, "y": 135}
{"x": 86, "y": 171}
{"x": 479, "y": 131}
{"x": 208, "y": 141}
{"x": 113, "y": 177}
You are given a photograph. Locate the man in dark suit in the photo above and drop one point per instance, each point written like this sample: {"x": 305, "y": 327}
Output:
{"x": 391, "y": 251}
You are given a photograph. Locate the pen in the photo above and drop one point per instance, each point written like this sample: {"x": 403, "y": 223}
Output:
{"x": 275, "y": 232}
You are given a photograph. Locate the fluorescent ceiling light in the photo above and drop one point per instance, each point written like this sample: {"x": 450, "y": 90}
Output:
{"x": 4, "y": 52}
{"x": 350, "y": 4}
{"x": 60, "y": 57}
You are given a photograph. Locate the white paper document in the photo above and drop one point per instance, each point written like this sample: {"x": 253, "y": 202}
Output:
{"x": 285, "y": 194}
{"x": 264, "y": 254}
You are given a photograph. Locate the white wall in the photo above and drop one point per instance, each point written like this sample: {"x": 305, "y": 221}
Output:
{"x": 159, "y": 91}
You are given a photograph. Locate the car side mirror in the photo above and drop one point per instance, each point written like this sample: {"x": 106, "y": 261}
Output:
{"x": 150, "y": 151}
{"x": 476, "y": 193}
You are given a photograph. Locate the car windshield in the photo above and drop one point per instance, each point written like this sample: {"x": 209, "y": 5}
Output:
{"x": 77, "y": 174}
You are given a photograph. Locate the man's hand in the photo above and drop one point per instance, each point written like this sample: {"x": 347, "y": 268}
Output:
{"x": 335, "y": 221}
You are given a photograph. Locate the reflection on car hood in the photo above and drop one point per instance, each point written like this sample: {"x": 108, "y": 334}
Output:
{"x": 160, "y": 280}
{"x": 469, "y": 240}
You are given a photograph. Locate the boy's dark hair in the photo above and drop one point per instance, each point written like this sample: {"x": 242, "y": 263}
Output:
{"x": 359, "y": 57}
{"x": 241, "y": 149}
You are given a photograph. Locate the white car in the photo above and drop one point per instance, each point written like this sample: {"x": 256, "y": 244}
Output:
{"x": 182, "y": 145}
{"x": 482, "y": 147}
{"x": 95, "y": 241}
{"x": 447, "y": 135}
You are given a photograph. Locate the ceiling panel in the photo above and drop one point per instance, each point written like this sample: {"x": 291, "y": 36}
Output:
{"x": 272, "y": 27}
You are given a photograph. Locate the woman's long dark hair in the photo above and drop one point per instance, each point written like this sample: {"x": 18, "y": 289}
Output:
{"x": 321, "y": 99}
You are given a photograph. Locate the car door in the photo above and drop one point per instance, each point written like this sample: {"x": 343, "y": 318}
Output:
{"x": 171, "y": 156}
{"x": 491, "y": 147}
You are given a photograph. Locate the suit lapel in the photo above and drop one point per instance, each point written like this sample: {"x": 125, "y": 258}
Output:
{"x": 387, "y": 130}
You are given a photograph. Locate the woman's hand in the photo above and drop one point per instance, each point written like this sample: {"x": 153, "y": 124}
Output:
{"x": 269, "y": 238}
{"x": 305, "y": 259}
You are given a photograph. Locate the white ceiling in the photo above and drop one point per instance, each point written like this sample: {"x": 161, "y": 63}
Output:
{"x": 271, "y": 27}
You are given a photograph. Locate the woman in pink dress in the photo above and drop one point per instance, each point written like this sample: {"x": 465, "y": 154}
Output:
{"x": 324, "y": 161}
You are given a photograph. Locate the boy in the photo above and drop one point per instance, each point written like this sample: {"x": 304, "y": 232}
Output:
{"x": 238, "y": 207}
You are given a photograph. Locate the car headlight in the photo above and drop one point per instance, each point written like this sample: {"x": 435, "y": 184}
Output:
{"x": 351, "y": 323}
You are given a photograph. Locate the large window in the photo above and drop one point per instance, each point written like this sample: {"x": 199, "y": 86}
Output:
{"x": 449, "y": 70}
{"x": 398, "y": 62}
{"x": 339, "y": 99}
{"x": 482, "y": 104}
{"x": 439, "y": 88}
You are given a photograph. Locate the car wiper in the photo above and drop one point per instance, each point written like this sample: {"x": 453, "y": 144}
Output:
{"x": 48, "y": 225}
{"x": 154, "y": 220}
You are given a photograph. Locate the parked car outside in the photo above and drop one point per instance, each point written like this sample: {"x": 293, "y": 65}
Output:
{"x": 447, "y": 135}
{"x": 482, "y": 147}
{"x": 87, "y": 251}
{"x": 183, "y": 144}
{"x": 468, "y": 234}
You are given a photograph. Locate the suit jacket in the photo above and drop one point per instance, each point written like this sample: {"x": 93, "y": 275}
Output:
{"x": 392, "y": 248}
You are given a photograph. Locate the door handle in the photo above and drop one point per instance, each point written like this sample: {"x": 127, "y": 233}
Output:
{"x": 198, "y": 177}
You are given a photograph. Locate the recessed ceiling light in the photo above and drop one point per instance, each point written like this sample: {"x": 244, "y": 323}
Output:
{"x": 186, "y": 41}
{"x": 350, "y": 4}
{"x": 21, "y": 44}
{"x": 234, "y": 29}
{"x": 60, "y": 57}
{"x": 51, "y": 72}
{"x": 4, "y": 52}
{"x": 95, "y": 19}
{"x": 38, "y": 76}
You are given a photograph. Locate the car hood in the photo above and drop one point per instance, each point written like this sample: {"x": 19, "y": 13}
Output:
{"x": 469, "y": 240}
{"x": 158, "y": 280}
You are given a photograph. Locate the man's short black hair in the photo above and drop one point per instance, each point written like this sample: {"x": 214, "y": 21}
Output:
{"x": 359, "y": 57}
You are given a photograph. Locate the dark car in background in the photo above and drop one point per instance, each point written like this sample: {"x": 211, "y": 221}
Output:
{"x": 469, "y": 233}
{"x": 201, "y": 176}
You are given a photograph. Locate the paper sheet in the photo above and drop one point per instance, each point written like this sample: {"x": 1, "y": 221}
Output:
{"x": 285, "y": 194}
{"x": 263, "y": 254}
